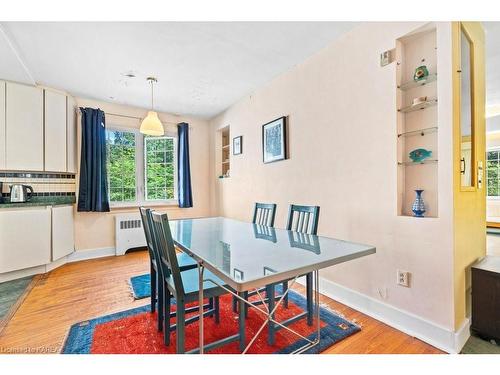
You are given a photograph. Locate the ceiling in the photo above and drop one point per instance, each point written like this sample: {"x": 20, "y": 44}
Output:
{"x": 202, "y": 68}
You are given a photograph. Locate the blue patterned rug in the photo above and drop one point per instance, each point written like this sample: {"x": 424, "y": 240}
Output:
{"x": 135, "y": 331}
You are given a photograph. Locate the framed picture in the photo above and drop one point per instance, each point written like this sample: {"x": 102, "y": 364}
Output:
{"x": 268, "y": 271}
{"x": 238, "y": 275}
{"x": 237, "y": 145}
{"x": 274, "y": 140}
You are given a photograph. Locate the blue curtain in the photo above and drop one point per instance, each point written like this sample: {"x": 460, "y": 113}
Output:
{"x": 93, "y": 192}
{"x": 184, "y": 171}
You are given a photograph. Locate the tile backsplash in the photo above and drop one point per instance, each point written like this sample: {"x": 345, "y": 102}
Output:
{"x": 43, "y": 184}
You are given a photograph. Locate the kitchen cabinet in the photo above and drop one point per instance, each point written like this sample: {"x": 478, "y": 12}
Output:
{"x": 63, "y": 234}
{"x": 71, "y": 135}
{"x": 55, "y": 131}
{"x": 24, "y": 127}
{"x": 25, "y": 238}
{"x": 2, "y": 125}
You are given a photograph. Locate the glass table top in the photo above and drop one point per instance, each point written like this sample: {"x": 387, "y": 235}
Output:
{"x": 247, "y": 255}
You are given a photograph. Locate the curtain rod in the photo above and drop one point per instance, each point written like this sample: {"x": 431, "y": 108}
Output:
{"x": 132, "y": 117}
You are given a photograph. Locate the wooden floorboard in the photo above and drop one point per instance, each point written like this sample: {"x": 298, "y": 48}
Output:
{"x": 84, "y": 290}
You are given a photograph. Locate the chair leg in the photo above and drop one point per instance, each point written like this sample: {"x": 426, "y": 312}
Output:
{"x": 270, "y": 301}
{"x": 180, "y": 327}
{"x": 166, "y": 330}
{"x": 161, "y": 299}
{"x": 217, "y": 312}
{"x": 285, "y": 299}
{"x": 241, "y": 322}
{"x": 245, "y": 295}
{"x": 309, "y": 295}
{"x": 235, "y": 304}
{"x": 152, "y": 281}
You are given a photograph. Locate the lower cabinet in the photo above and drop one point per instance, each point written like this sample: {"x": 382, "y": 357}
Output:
{"x": 63, "y": 234}
{"x": 35, "y": 236}
{"x": 25, "y": 238}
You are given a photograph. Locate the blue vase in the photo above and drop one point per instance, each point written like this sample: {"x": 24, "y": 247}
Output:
{"x": 418, "y": 207}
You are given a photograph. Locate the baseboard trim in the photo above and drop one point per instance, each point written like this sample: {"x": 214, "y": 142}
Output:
{"x": 91, "y": 254}
{"x": 413, "y": 325}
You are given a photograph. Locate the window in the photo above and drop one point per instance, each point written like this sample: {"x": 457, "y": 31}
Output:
{"x": 121, "y": 164}
{"x": 141, "y": 169}
{"x": 492, "y": 172}
{"x": 159, "y": 166}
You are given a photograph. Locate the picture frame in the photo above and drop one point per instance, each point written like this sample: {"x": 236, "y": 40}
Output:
{"x": 238, "y": 275}
{"x": 274, "y": 140}
{"x": 238, "y": 145}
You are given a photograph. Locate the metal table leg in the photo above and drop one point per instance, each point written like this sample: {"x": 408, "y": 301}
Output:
{"x": 241, "y": 320}
{"x": 200, "y": 304}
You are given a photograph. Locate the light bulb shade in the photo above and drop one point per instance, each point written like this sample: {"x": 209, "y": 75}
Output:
{"x": 152, "y": 125}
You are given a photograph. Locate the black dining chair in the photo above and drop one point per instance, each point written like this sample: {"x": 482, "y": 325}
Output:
{"x": 184, "y": 260}
{"x": 263, "y": 214}
{"x": 303, "y": 219}
{"x": 181, "y": 285}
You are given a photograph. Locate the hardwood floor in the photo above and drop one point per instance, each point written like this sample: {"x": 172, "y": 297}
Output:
{"x": 84, "y": 290}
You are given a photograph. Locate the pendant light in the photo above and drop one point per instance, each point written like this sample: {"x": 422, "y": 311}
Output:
{"x": 152, "y": 125}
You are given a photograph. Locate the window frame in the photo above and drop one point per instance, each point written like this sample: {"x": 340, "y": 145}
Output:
{"x": 140, "y": 171}
{"x": 492, "y": 149}
{"x": 145, "y": 177}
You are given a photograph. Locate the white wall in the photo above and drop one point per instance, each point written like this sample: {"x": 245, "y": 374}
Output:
{"x": 341, "y": 107}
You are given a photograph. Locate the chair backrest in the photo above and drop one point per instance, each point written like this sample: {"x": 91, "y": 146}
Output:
{"x": 303, "y": 219}
{"x": 147, "y": 231}
{"x": 166, "y": 250}
{"x": 264, "y": 213}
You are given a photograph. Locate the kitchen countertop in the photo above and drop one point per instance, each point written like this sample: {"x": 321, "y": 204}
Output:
{"x": 40, "y": 201}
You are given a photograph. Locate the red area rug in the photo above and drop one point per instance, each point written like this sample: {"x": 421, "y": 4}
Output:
{"x": 135, "y": 331}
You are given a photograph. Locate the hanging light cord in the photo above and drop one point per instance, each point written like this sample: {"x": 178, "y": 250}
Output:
{"x": 152, "y": 106}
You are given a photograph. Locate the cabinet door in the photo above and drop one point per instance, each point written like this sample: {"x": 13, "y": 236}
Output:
{"x": 2, "y": 125}
{"x": 24, "y": 128}
{"x": 55, "y": 131}
{"x": 24, "y": 238}
{"x": 63, "y": 234}
{"x": 71, "y": 134}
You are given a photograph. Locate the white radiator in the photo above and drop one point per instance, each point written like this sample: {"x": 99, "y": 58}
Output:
{"x": 128, "y": 232}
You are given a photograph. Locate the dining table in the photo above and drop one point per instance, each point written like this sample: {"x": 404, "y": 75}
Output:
{"x": 247, "y": 256}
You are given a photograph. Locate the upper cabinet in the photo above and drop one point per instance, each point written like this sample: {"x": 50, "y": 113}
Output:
{"x": 37, "y": 129}
{"x": 71, "y": 135}
{"x": 2, "y": 125}
{"x": 24, "y": 128}
{"x": 55, "y": 132}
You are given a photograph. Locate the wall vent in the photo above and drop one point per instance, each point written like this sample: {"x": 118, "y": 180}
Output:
{"x": 130, "y": 224}
{"x": 128, "y": 233}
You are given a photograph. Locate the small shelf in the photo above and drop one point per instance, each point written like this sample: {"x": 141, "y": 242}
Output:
{"x": 225, "y": 147}
{"x": 225, "y": 162}
{"x": 412, "y": 84}
{"x": 423, "y": 105}
{"x": 420, "y": 132}
{"x": 426, "y": 161}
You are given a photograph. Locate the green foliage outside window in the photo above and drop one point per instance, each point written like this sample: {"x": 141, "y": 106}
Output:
{"x": 121, "y": 166}
{"x": 492, "y": 173}
{"x": 159, "y": 157}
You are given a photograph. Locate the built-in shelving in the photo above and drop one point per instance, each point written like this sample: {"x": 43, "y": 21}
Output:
{"x": 419, "y": 106}
{"x": 420, "y": 132}
{"x": 426, "y": 161}
{"x": 224, "y": 168}
{"x": 421, "y": 82}
{"x": 417, "y": 125}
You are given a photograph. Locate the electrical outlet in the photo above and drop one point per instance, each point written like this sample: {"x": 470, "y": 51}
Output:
{"x": 403, "y": 278}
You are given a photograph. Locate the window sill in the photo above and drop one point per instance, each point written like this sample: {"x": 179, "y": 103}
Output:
{"x": 148, "y": 205}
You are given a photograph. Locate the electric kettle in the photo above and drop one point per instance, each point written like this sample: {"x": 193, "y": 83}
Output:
{"x": 20, "y": 193}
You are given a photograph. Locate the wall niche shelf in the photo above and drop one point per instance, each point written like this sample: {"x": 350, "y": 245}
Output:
{"x": 422, "y": 82}
{"x": 417, "y": 126}
{"x": 224, "y": 153}
{"x": 417, "y": 107}
{"x": 420, "y": 132}
{"x": 426, "y": 161}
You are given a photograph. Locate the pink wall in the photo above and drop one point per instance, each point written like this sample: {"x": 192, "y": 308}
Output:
{"x": 342, "y": 131}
